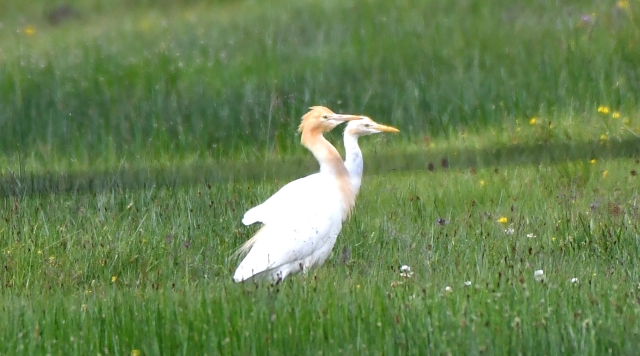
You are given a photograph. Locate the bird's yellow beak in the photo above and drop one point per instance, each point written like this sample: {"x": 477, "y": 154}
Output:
{"x": 385, "y": 128}
{"x": 340, "y": 117}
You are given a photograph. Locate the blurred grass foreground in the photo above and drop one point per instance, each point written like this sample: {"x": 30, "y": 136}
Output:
{"x": 134, "y": 135}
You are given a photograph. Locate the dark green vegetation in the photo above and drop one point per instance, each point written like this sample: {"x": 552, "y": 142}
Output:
{"x": 134, "y": 135}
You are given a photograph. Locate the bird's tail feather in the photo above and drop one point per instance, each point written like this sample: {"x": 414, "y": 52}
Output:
{"x": 246, "y": 247}
{"x": 253, "y": 265}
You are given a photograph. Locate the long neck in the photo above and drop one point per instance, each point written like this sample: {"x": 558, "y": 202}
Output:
{"x": 327, "y": 155}
{"x": 330, "y": 164}
{"x": 353, "y": 160}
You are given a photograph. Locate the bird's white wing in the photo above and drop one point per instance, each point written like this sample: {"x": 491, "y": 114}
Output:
{"x": 286, "y": 202}
{"x": 286, "y": 242}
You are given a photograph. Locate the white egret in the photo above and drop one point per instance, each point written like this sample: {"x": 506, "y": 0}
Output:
{"x": 303, "y": 219}
{"x": 282, "y": 204}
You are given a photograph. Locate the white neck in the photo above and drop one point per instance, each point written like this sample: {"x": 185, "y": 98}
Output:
{"x": 353, "y": 161}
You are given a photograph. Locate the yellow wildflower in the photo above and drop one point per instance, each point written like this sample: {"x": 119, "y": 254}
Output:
{"x": 482, "y": 183}
{"x": 604, "y": 137}
{"x": 502, "y": 220}
{"x": 145, "y": 25}
{"x": 603, "y": 109}
{"x": 114, "y": 279}
{"x": 135, "y": 352}
{"x": 623, "y": 4}
{"x": 593, "y": 161}
{"x": 52, "y": 258}
{"x": 604, "y": 174}
{"x": 39, "y": 252}
{"x": 29, "y": 30}
{"x": 615, "y": 114}
{"x": 532, "y": 121}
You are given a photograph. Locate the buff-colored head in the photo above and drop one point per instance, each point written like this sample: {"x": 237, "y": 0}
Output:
{"x": 366, "y": 126}
{"x": 321, "y": 119}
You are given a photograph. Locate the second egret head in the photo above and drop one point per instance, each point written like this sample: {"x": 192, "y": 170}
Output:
{"x": 366, "y": 126}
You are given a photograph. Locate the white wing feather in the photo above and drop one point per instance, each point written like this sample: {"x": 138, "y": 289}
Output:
{"x": 287, "y": 202}
{"x": 290, "y": 245}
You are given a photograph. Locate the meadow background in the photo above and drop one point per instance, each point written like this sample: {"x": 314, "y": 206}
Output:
{"x": 135, "y": 134}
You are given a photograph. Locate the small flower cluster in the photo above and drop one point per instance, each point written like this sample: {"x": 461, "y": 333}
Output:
{"x": 605, "y": 110}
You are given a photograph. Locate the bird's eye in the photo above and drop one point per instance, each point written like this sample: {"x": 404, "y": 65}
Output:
{"x": 367, "y": 125}
{"x": 325, "y": 116}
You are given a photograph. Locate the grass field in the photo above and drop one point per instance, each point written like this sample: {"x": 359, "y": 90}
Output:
{"x": 135, "y": 134}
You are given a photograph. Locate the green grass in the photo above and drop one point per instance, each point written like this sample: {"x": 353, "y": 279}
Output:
{"x": 134, "y": 138}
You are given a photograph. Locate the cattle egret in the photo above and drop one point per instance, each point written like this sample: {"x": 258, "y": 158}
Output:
{"x": 303, "y": 219}
{"x": 282, "y": 204}
{"x": 353, "y": 155}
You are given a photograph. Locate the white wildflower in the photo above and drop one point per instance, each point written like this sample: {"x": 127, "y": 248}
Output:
{"x": 467, "y": 283}
{"x": 538, "y": 275}
{"x": 405, "y": 271}
{"x": 531, "y": 236}
{"x": 510, "y": 231}
{"x": 448, "y": 289}
{"x": 574, "y": 280}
